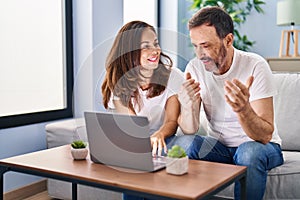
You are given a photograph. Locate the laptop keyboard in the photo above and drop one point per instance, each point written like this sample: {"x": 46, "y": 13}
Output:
{"x": 159, "y": 161}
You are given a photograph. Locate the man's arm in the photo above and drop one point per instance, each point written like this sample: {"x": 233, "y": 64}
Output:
{"x": 190, "y": 102}
{"x": 257, "y": 117}
{"x": 257, "y": 120}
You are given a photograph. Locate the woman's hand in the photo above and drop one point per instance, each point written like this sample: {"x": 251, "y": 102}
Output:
{"x": 158, "y": 143}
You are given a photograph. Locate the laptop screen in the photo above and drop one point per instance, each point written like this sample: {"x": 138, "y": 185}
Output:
{"x": 120, "y": 140}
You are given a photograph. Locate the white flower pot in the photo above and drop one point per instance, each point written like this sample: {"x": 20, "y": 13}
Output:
{"x": 177, "y": 166}
{"x": 79, "y": 154}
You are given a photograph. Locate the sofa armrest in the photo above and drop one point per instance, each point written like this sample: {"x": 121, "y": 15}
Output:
{"x": 65, "y": 132}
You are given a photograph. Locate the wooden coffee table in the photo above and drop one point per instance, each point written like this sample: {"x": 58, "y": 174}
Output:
{"x": 203, "y": 180}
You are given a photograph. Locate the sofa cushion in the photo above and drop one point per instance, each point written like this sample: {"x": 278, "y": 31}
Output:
{"x": 283, "y": 181}
{"x": 287, "y": 109}
{"x": 65, "y": 132}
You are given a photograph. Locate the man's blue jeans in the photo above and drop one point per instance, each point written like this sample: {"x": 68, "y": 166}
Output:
{"x": 258, "y": 158}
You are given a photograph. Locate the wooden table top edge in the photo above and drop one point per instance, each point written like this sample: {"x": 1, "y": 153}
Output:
{"x": 11, "y": 162}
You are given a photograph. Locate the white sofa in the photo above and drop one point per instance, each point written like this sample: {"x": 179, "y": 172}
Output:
{"x": 283, "y": 182}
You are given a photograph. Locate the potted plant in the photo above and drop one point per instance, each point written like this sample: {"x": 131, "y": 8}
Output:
{"x": 79, "y": 150}
{"x": 177, "y": 161}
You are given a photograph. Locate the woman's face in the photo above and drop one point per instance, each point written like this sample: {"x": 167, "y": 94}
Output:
{"x": 150, "y": 51}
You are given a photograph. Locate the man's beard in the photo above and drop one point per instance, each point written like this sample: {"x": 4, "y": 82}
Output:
{"x": 215, "y": 65}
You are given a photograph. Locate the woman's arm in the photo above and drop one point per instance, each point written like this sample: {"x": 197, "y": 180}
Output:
{"x": 169, "y": 127}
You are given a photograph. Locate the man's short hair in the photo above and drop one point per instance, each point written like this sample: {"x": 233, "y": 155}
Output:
{"x": 213, "y": 16}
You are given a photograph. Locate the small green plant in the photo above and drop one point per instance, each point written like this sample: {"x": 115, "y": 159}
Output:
{"x": 78, "y": 144}
{"x": 176, "y": 152}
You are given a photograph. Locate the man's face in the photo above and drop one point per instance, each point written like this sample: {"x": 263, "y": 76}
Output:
{"x": 209, "y": 48}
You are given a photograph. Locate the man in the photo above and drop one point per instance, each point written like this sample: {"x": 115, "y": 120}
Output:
{"x": 236, "y": 91}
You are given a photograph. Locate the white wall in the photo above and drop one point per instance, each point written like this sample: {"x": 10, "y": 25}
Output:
{"x": 168, "y": 34}
{"x": 96, "y": 29}
{"x": 83, "y": 45}
{"x": 107, "y": 20}
{"x": 262, "y": 28}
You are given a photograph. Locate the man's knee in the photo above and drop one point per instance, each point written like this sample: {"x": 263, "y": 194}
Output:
{"x": 250, "y": 153}
{"x": 185, "y": 141}
{"x": 195, "y": 144}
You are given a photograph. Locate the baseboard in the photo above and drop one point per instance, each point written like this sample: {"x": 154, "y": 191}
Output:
{"x": 26, "y": 191}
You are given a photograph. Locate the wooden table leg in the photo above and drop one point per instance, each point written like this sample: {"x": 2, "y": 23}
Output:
{"x": 243, "y": 187}
{"x": 2, "y": 171}
{"x": 74, "y": 191}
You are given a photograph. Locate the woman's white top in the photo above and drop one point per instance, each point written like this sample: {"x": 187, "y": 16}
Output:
{"x": 154, "y": 108}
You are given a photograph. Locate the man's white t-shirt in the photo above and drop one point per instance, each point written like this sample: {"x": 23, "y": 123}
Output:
{"x": 223, "y": 123}
{"x": 154, "y": 108}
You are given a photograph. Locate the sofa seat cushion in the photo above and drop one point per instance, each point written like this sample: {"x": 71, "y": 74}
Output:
{"x": 287, "y": 109}
{"x": 283, "y": 181}
{"x": 291, "y": 164}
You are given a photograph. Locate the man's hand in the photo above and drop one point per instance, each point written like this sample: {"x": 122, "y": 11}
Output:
{"x": 237, "y": 94}
{"x": 189, "y": 92}
{"x": 190, "y": 102}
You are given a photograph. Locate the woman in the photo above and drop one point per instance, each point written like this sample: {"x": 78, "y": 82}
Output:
{"x": 140, "y": 80}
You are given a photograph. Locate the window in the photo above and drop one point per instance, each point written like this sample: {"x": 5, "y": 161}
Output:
{"x": 36, "y": 61}
{"x": 145, "y": 10}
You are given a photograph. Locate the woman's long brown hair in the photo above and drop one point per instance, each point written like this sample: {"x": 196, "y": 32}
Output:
{"x": 122, "y": 67}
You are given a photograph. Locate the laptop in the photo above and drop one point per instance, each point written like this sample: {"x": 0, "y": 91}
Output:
{"x": 121, "y": 140}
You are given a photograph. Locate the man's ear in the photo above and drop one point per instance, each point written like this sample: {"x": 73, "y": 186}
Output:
{"x": 228, "y": 40}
